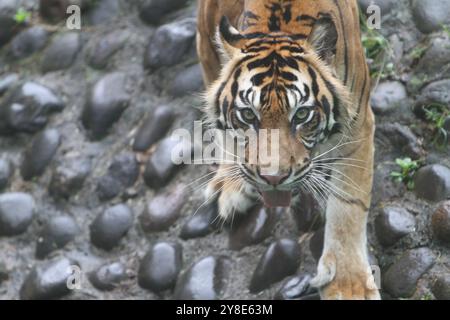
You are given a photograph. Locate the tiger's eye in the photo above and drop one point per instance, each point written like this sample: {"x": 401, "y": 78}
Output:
{"x": 301, "y": 114}
{"x": 248, "y": 115}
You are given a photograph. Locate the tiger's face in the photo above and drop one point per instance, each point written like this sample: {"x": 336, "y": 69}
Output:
{"x": 276, "y": 84}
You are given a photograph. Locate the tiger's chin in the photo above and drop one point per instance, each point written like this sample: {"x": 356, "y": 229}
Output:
{"x": 276, "y": 198}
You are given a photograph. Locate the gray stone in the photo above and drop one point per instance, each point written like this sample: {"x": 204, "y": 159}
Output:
{"x": 399, "y": 140}
{"x": 307, "y": 212}
{"x": 295, "y": 288}
{"x": 8, "y": 26}
{"x": 40, "y": 153}
{"x": 108, "y": 276}
{"x": 437, "y": 92}
{"x": 440, "y": 223}
{"x": 107, "y": 101}
{"x": 62, "y": 52}
{"x": 111, "y": 226}
{"x": 387, "y": 96}
{"x": 69, "y": 176}
{"x": 153, "y": 11}
{"x": 188, "y": 81}
{"x": 16, "y": 213}
{"x": 6, "y": 171}
{"x": 441, "y": 287}
{"x": 55, "y": 234}
{"x": 400, "y": 279}
{"x": 392, "y": 224}
{"x": 7, "y": 82}
{"x": 201, "y": 223}
{"x": 204, "y": 280}
{"x": 280, "y": 260}
{"x": 430, "y": 15}
{"x": 105, "y": 11}
{"x": 170, "y": 43}
{"x": 28, "y": 42}
{"x": 48, "y": 280}
{"x": 160, "y": 267}
{"x": 385, "y": 5}
{"x": 102, "y": 49}
{"x": 433, "y": 183}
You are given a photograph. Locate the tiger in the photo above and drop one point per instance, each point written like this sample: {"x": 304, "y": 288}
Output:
{"x": 296, "y": 66}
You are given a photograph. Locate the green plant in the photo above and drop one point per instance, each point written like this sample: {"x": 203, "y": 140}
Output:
{"x": 22, "y": 15}
{"x": 408, "y": 169}
{"x": 436, "y": 114}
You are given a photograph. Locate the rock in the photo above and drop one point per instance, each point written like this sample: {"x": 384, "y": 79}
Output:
{"x": 437, "y": 92}
{"x": 440, "y": 223}
{"x": 316, "y": 244}
{"x": 430, "y": 15}
{"x": 160, "y": 167}
{"x": 40, "y": 153}
{"x": 201, "y": 223}
{"x": 387, "y": 96}
{"x": 62, "y": 52}
{"x": 106, "y": 103}
{"x": 7, "y": 82}
{"x": 111, "y": 226}
{"x": 170, "y": 43}
{"x": 307, "y": 213}
{"x": 154, "y": 127}
{"x": 108, "y": 276}
{"x": 205, "y": 280}
{"x": 26, "y": 109}
{"x": 385, "y": 5}
{"x": 69, "y": 176}
{"x": 400, "y": 140}
{"x": 392, "y": 224}
{"x": 401, "y": 278}
{"x": 254, "y": 227}
{"x": 55, "y": 234}
{"x": 296, "y": 287}
{"x": 55, "y": 11}
{"x": 48, "y": 280}
{"x": 6, "y": 171}
{"x": 280, "y": 260}
{"x": 16, "y": 213}
{"x": 433, "y": 183}
{"x": 163, "y": 210}
{"x": 122, "y": 174}
{"x": 384, "y": 187}
{"x": 441, "y": 287}
{"x": 8, "y": 26}
{"x": 102, "y": 49}
{"x": 188, "y": 81}
{"x": 105, "y": 11}
{"x": 152, "y": 11}
{"x": 28, "y": 42}
{"x": 160, "y": 267}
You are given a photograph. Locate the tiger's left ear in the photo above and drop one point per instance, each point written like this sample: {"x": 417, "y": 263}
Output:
{"x": 229, "y": 38}
{"x": 323, "y": 38}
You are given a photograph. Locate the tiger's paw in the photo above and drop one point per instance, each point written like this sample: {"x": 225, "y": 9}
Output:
{"x": 344, "y": 279}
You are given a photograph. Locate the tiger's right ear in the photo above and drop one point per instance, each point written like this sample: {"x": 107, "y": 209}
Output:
{"x": 229, "y": 38}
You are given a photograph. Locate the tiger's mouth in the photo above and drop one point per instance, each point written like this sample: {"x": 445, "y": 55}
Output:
{"x": 276, "y": 198}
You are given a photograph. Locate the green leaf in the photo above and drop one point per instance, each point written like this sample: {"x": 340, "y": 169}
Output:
{"x": 22, "y": 15}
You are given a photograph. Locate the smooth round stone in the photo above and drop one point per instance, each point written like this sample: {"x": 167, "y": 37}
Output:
{"x": 296, "y": 288}
{"x": 108, "y": 277}
{"x": 160, "y": 167}
{"x": 441, "y": 287}
{"x": 28, "y": 42}
{"x": 204, "y": 280}
{"x": 26, "y": 109}
{"x": 188, "y": 81}
{"x": 392, "y": 224}
{"x": 62, "y": 52}
{"x": 280, "y": 260}
{"x": 436, "y": 92}
{"x": 432, "y": 183}
{"x": 8, "y": 26}
{"x": 170, "y": 43}
{"x": 104, "y": 11}
{"x": 101, "y": 50}
{"x": 316, "y": 244}
{"x": 307, "y": 213}
{"x": 162, "y": 211}
{"x": 122, "y": 174}
{"x": 7, "y": 82}
{"x": 430, "y": 15}
{"x": 16, "y": 213}
{"x": 160, "y": 267}
{"x": 400, "y": 279}
{"x": 154, "y": 128}
{"x": 68, "y": 178}
{"x": 201, "y": 223}
{"x": 55, "y": 234}
{"x": 253, "y": 228}
{"x": 40, "y": 153}
{"x": 48, "y": 280}
{"x": 387, "y": 96}
{"x": 6, "y": 171}
{"x": 111, "y": 226}
{"x": 106, "y": 103}
{"x": 440, "y": 223}
{"x": 153, "y": 11}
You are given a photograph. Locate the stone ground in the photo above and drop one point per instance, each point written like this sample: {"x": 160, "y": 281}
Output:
{"x": 85, "y": 179}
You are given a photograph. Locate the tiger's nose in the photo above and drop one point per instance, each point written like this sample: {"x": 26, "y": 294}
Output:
{"x": 275, "y": 180}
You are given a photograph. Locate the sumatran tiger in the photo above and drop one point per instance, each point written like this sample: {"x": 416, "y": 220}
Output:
{"x": 297, "y": 66}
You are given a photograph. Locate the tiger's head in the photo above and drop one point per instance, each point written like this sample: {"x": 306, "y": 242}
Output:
{"x": 285, "y": 83}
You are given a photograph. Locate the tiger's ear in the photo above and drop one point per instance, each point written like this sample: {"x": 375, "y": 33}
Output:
{"x": 323, "y": 38}
{"x": 229, "y": 38}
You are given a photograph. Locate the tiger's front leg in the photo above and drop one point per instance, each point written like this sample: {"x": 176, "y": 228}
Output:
{"x": 343, "y": 271}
